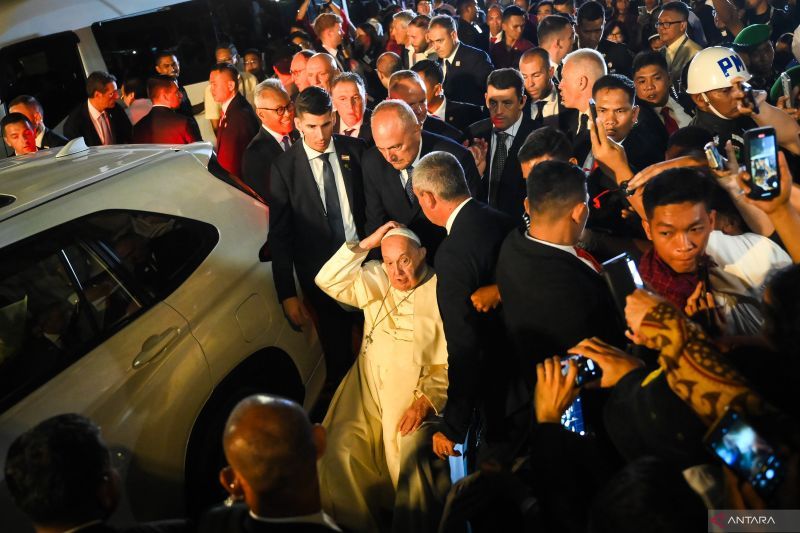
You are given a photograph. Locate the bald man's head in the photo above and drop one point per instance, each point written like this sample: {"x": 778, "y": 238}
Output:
{"x": 396, "y": 132}
{"x": 320, "y": 70}
{"x": 387, "y": 64}
{"x": 272, "y": 450}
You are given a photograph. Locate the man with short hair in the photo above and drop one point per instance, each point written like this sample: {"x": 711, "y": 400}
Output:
{"x": 398, "y": 29}
{"x": 59, "y": 473}
{"x": 504, "y": 132}
{"x": 557, "y": 37}
{"x": 272, "y": 451}
{"x": 400, "y": 143}
{"x": 18, "y": 133}
{"x": 350, "y": 102}
{"x": 387, "y": 64}
{"x": 101, "y": 120}
{"x": 458, "y": 114}
{"x": 465, "y": 68}
{"x": 298, "y": 69}
{"x": 238, "y": 123}
{"x": 480, "y": 366}
{"x": 406, "y": 85}
{"x": 163, "y": 124}
{"x": 328, "y": 27}
{"x": 316, "y": 203}
{"x": 418, "y": 48}
{"x": 506, "y": 53}
{"x": 254, "y": 63}
{"x": 471, "y": 31}
{"x": 689, "y": 256}
{"x": 167, "y": 64}
{"x": 539, "y": 322}
{"x": 565, "y": 7}
{"x": 653, "y": 90}
{"x": 544, "y": 144}
{"x": 246, "y": 83}
{"x": 31, "y": 108}
{"x": 544, "y": 104}
{"x": 275, "y": 109}
{"x": 679, "y": 49}
{"x": 384, "y": 413}
{"x": 582, "y": 68}
{"x": 591, "y": 21}
{"x": 320, "y": 70}
{"x": 494, "y": 19}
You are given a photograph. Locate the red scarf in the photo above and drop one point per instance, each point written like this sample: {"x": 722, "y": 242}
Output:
{"x": 671, "y": 285}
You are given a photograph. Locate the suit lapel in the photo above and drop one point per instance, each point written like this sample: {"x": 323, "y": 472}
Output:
{"x": 345, "y": 165}
{"x": 305, "y": 176}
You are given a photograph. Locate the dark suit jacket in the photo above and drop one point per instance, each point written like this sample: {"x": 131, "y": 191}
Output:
{"x": 551, "y": 301}
{"x": 185, "y": 108}
{"x": 237, "y": 128}
{"x": 581, "y": 141}
{"x": 619, "y": 58}
{"x": 299, "y": 236}
{"x": 365, "y": 133}
{"x": 475, "y": 35}
{"x": 258, "y": 158}
{"x": 79, "y": 124}
{"x": 51, "y": 139}
{"x": 237, "y": 519}
{"x": 162, "y": 125}
{"x": 461, "y": 114}
{"x": 438, "y": 126}
{"x": 561, "y": 120}
{"x": 386, "y": 198}
{"x": 477, "y": 356}
{"x": 466, "y": 77}
{"x": 511, "y": 191}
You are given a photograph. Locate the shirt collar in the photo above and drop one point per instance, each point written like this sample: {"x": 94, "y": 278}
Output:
{"x": 441, "y": 110}
{"x": 453, "y": 55}
{"x": 275, "y": 135}
{"x": 357, "y": 126}
{"x": 514, "y": 128}
{"x": 320, "y": 517}
{"x": 563, "y": 247}
{"x": 40, "y": 135}
{"x": 227, "y": 102}
{"x": 452, "y": 218}
{"x": 677, "y": 44}
{"x": 95, "y": 114}
{"x": 312, "y": 154}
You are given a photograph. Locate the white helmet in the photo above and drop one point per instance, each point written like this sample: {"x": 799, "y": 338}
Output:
{"x": 715, "y": 68}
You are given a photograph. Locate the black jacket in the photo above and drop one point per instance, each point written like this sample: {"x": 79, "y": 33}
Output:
{"x": 165, "y": 126}
{"x": 79, "y": 124}
{"x": 551, "y": 301}
{"x": 386, "y": 198}
{"x": 365, "y": 133}
{"x": 258, "y": 158}
{"x": 299, "y": 236}
{"x": 465, "y": 80}
{"x": 480, "y": 365}
{"x": 619, "y": 58}
{"x": 237, "y": 128}
{"x": 438, "y": 126}
{"x": 475, "y": 35}
{"x": 461, "y": 114}
{"x": 51, "y": 139}
{"x": 511, "y": 191}
{"x": 237, "y": 519}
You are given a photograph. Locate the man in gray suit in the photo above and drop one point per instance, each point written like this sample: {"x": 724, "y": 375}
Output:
{"x": 679, "y": 49}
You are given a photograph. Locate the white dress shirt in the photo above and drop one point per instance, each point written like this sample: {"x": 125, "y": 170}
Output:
{"x": 441, "y": 110}
{"x": 564, "y": 248}
{"x": 404, "y": 172}
{"x": 40, "y": 135}
{"x": 449, "y": 59}
{"x": 452, "y": 218}
{"x": 550, "y": 107}
{"x": 96, "y": 117}
{"x": 357, "y": 127}
{"x": 319, "y": 517}
{"x": 314, "y": 160}
{"x": 676, "y": 112}
{"x": 512, "y": 132}
{"x": 277, "y": 136}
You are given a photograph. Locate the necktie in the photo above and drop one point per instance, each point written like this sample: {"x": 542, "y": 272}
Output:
{"x": 446, "y": 68}
{"x": 349, "y": 132}
{"x": 223, "y": 121}
{"x": 333, "y": 208}
{"x": 409, "y": 186}
{"x": 670, "y": 123}
{"x": 498, "y": 164}
{"x": 583, "y": 254}
{"x": 105, "y": 127}
{"x": 584, "y": 129}
{"x": 540, "y": 109}
{"x": 285, "y": 143}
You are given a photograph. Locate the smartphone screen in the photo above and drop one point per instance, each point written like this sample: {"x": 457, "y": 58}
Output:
{"x": 588, "y": 370}
{"x": 739, "y": 446}
{"x": 762, "y": 163}
{"x": 622, "y": 278}
{"x": 572, "y": 419}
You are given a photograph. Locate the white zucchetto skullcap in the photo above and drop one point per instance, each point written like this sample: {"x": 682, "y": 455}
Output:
{"x": 403, "y": 232}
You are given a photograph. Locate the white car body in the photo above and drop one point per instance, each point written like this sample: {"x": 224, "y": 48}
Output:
{"x": 185, "y": 344}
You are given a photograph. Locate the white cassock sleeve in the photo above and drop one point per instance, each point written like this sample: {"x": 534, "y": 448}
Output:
{"x": 344, "y": 279}
{"x": 433, "y": 385}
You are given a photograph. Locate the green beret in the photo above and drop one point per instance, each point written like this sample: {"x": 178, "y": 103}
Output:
{"x": 751, "y": 36}
{"x": 777, "y": 90}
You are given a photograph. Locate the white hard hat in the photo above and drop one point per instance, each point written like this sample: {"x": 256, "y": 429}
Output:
{"x": 715, "y": 68}
{"x": 796, "y": 43}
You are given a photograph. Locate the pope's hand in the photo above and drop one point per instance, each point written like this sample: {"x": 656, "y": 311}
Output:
{"x": 444, "y": 447}
{"x": 414, "y": 416}
{"x": 374, "y": 240}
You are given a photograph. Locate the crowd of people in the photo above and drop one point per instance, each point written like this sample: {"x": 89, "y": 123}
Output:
{"x": 449, "y": 185}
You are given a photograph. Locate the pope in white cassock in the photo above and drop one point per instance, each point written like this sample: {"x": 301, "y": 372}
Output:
{"x": 379, "y": 472}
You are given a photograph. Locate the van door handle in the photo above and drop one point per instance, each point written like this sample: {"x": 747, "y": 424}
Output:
{"x": 155, "y": 345}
